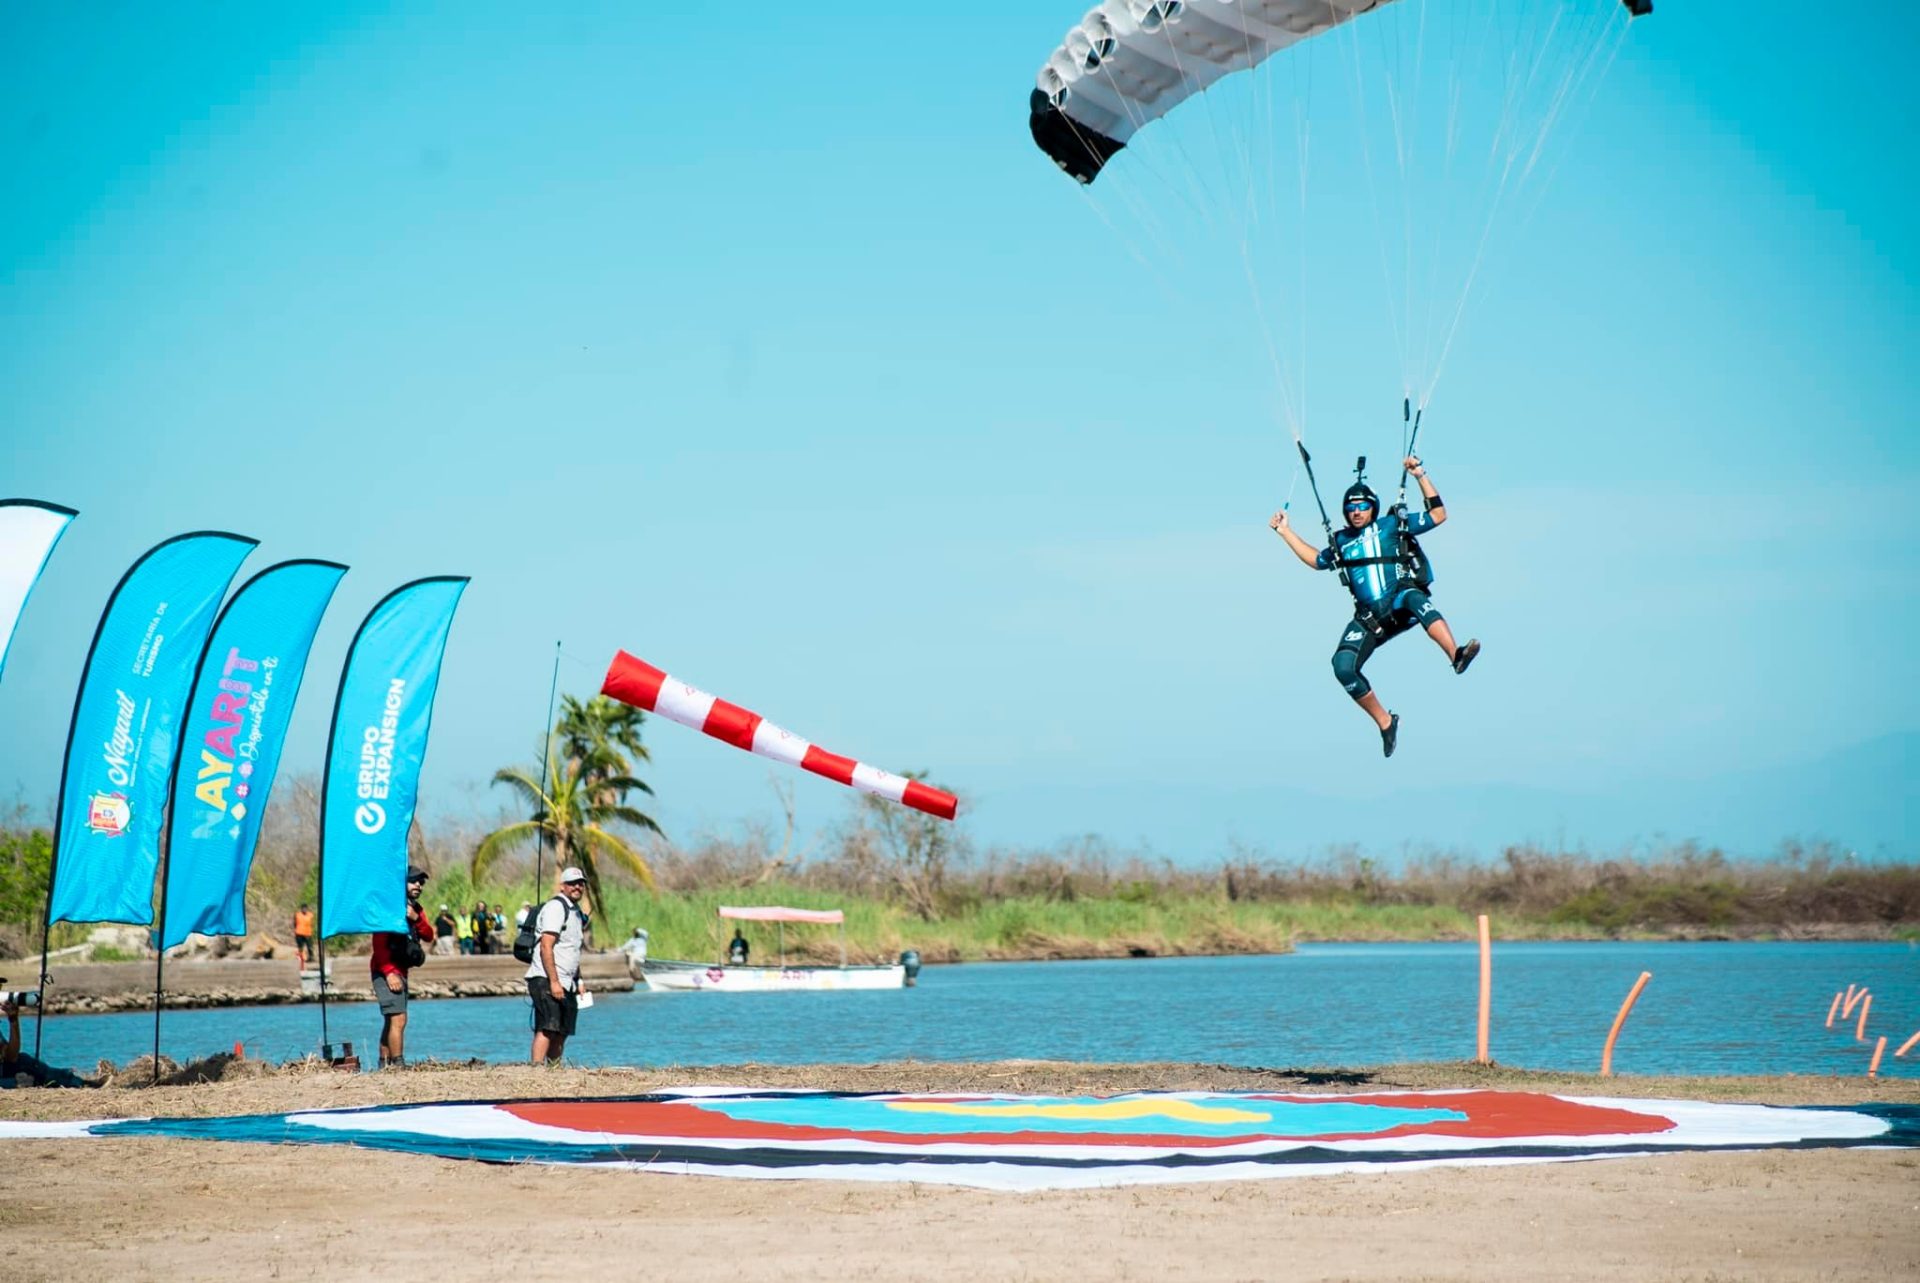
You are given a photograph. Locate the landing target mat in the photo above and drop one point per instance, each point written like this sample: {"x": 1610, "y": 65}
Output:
{"x": 1009, "y": 1142}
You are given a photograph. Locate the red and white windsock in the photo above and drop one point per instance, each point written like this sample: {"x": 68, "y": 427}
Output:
{"x": 636, "y": 682}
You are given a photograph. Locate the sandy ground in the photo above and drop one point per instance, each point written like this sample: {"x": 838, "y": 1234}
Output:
{"x": 138, "y": 1209}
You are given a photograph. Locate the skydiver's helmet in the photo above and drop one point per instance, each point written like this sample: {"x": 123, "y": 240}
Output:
{"x": 1357, "y": 495}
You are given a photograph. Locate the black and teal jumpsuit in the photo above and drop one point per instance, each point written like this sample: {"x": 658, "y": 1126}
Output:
{"x": 1387, "y": 598}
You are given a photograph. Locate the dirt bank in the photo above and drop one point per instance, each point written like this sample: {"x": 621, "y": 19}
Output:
{"x": 138, "y": 1209}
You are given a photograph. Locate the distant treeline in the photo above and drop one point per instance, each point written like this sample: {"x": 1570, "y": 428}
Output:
{"x": 909, "y": 881}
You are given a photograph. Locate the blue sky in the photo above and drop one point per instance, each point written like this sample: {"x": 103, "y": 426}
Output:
{"x": 773, "y": 352}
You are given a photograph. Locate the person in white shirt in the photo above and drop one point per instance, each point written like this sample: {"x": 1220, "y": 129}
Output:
{"x": 553, "y": 978}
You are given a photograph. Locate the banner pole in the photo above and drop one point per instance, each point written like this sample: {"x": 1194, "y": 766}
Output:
{"x": 160, "y": 943}
{"x": 546, "y": 753}
{"x": 320, "y": 956}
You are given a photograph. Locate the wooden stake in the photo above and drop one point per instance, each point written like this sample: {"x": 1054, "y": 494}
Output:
{"x": 1907, "y": 1046}
{"x": 1633, "y": 996}
{"x": 1854, "y": 994}
{"x": 1834, "y": 1010}
{"x": 1866, "y": 1005}
{"x": 1873, "y": 1070}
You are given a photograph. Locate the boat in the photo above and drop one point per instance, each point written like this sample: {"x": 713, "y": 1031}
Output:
{"x": 676, "y": 975}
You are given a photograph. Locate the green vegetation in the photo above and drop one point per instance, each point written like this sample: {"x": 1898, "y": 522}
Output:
{"x": 909, "y": 881}
{"x": 588, "y": 765}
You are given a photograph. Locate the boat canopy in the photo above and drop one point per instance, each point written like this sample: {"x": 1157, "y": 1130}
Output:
{"x": 779, "y": 913}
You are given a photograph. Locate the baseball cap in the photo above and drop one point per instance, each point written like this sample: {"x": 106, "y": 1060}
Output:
{"x": 572, "y": 874}
{"x": 416, "y": 874}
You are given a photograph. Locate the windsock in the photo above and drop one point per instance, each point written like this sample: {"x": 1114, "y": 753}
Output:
{"x": 636, "y": 682}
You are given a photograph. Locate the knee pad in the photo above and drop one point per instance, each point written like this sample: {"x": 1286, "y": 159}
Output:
{"x": 1346, "y": 670}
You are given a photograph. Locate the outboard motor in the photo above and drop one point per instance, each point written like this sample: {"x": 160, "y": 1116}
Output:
{"x": 911, "y": 961}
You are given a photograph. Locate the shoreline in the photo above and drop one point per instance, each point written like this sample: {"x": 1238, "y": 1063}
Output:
{"x": 98, "y": 988}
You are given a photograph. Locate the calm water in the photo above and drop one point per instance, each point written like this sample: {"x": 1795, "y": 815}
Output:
{"x": 1710, "y": 1008}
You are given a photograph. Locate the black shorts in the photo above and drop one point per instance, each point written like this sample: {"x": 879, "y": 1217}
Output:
{"x": 303, "y": 942}
{"x": 552, "y": 1015}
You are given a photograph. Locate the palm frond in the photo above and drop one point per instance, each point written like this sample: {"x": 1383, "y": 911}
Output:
{"x": 629, "y": 815}
{"x": 604, "y": 843}
{"x": 493, "y": 844}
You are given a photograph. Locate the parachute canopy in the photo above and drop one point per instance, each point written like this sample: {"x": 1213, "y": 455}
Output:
{"x": 1129, "y": 62}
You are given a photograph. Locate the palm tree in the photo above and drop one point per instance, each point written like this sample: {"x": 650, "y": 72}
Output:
{"x": 571, "y": 810}
{"x": 600, "y": 738}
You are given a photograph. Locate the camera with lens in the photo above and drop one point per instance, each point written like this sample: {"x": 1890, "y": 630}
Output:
{"x": 19, "y": 997}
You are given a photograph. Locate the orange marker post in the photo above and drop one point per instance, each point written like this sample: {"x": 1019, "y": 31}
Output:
{"x": 1633, "y": 996}
{"x": 1834, "y": 1010}
{"x": 1866, "y": 1005}
{"x": 1873, "y": 1070}
{"x": 1907, "y": 1046}
{"x": 1486, "y": 987}
{"x": 1854, "y": 994}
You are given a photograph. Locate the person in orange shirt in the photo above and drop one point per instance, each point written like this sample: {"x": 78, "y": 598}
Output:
{"x": 303, "y": 935}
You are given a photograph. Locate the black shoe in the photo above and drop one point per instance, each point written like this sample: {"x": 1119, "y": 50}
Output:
{"x": 1390, "y": 736}
{"x": 1464, "y": 656}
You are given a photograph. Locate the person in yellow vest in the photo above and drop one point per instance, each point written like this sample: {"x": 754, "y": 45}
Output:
{"x": 463, "y": 928}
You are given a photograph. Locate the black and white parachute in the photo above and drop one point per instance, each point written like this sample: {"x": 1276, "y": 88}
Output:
{"x": 1130, "y": 62}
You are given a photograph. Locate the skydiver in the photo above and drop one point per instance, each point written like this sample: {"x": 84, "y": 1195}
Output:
{"x": 1381, "y": 564}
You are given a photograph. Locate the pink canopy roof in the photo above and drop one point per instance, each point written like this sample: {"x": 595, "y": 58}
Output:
{"x": 776, "y": 913}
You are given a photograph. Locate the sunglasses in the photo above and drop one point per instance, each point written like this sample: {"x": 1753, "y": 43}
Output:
{"x": 1359, "y": 507}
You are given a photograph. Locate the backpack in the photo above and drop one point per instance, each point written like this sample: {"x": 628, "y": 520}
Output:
{"x": 527, "y": 942}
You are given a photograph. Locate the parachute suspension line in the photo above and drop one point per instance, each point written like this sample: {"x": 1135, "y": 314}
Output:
{"x": 1247, "y": 215}
{"x": 1204, "y": 201}
{"x": 1518, "y": 147}
{"x": 1446, "y": 187}
{"x": 1304, "y": 143}
{"x": 1352, "y": 39}
{"x": 1613, "y": 43}
{"x": 1140, "y": 213}
{"x": 1127, "y": 243}
{"x": 1247, "y": 211}
{"x": 1143, "y": 211}
{"x": 1290, "y": 371}
{"x": 1406, "y": 135}
{"x": 1199, "y": 91}
{"x": 1284, "y": 384}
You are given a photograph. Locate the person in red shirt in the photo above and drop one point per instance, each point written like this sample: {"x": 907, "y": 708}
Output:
{"x": 392, "y": 959}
